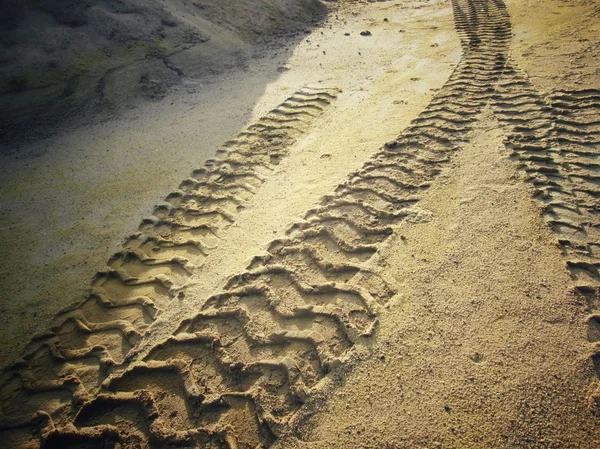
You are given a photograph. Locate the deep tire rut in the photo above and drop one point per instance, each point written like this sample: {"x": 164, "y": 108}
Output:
{"x": 556, "y": 140}
{"x": 237, "y": 372}
{"x": 63, "y": 368}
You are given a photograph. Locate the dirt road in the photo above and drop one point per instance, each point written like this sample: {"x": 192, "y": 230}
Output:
{"x": 442, "y": 292}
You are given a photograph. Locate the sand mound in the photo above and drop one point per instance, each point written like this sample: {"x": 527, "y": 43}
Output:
{"x": 59, "y": 57}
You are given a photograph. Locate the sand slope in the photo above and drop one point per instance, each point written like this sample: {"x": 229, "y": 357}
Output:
{"x": 60, "y": 58}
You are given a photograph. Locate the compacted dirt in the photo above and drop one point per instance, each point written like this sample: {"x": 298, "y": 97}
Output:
{"x": 440, "y": 289}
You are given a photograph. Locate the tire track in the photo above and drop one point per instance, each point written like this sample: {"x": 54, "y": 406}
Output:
{"x": 66, "y": 366}
{"x": 556, "y": 141}
{"x": 576, "y": 218}
{"x": 237, "y": 373}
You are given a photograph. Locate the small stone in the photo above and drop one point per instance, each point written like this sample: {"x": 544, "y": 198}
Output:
{"x": 391, "y": 144}
{"x": 477, "y": 357}
{"x": 365, "y": 33}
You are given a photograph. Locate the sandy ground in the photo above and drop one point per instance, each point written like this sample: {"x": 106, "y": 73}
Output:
{"x": 483, "y": 346}
{"x": 69, "y": 201}
{"x": 555, "y": 49}
{"x": 62, "y": 59}
{"x": 440, "y": 292}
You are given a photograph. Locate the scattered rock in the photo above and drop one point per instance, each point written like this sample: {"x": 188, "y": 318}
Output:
{"x": 365, "y": 33}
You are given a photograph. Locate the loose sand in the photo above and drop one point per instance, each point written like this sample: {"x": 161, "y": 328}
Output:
{"x": 440, "y": 291}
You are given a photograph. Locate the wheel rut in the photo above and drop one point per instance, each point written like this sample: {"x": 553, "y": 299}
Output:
{"x": 238, "y": 372}
{"x": 64, "y": 367}
{"x": 556, "y": 141}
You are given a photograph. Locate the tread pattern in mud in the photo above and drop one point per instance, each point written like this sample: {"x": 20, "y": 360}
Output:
{"x": 237, "y": 372}
{"x": 64, "y": 367}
